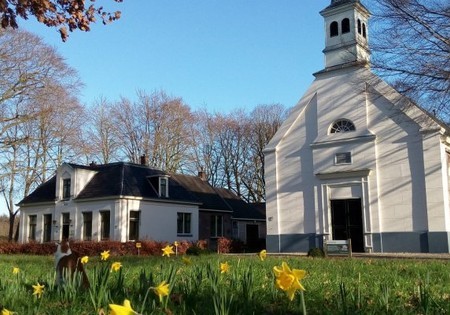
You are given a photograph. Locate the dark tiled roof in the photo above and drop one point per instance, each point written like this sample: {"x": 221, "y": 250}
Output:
{"x": 241, "y": 209}
{"x": 203, "y": 191}
{"x": 128, "y": 179}
{"x": 43, "y": 193}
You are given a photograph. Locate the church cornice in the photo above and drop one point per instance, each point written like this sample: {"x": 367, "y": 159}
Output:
{"x": 339, "y": 6}
{"x": 344, "y": 174}
{"x": 352, "y": 64}
{"x": 347, "y": 46}
{"x": 341, "y": 141}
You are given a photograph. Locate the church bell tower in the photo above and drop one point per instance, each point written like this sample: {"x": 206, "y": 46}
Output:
{"x": 346, "y": 31}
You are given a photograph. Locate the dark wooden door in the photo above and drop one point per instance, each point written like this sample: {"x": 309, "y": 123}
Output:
{"x": 346, "y": 220}
{"x": 252, "y": 235}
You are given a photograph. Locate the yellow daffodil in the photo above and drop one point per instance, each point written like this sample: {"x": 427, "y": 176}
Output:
{"x": 167, "y": 251}
{"x": 104, "y": 255}
{"x": 262, "y": 254}
{"x": 138, "y": 245}
{"x": 162, "y": 290}
{"x": 176, "y": 244}
{"x": 84, "y": 260}
{"x": 186, "y": 260}
{"x": 116, "y": 266}
{"x": 38, "y": 290}
{"x": 6, "y": 312}
{"x": 224, "y": 267}
{"x": 15, "y": 270}
{"x": 289, "y": 280}
{"x": 122, "y": 310}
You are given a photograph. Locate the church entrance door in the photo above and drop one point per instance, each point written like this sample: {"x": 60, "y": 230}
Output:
{"x": 346, "y": 221}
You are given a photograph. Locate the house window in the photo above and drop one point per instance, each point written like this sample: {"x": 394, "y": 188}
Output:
{"x": 66, "y": 188}
{"x": 66, "y": 225}
{"x": 105, "y": 223}
{"x": 334, "y": 29}
{"x": 32, "y": 219}
{"x": 342, "y": 125}
{"x": 47, "y": 228}
{"x": 216, "y": 226}
{"x": 87, "y": 226}
{"x": 184, "y": 223}
{"x": 345, "y": 26}
{"x": 163, "y": 187}
{"x": 343, "y": 158}
{"x": 364, "y": 30}
{"x": 359, "y": 26}
{"x": 134, "y": 226}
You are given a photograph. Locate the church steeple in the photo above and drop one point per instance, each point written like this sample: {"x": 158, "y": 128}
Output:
{"x": 346, "y": 29}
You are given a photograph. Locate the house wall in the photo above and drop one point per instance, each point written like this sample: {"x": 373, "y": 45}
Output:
{"x": 398, "y": 170}
{"x": 205, "y": 226}
{"x": 240, "y": 229}
{"x": 39, "y": 211}
{"x": 158, "y": 221}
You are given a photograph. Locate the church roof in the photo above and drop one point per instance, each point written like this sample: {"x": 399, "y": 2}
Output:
{"x": 325, "y": 82}
{"x": 335, "y": 3}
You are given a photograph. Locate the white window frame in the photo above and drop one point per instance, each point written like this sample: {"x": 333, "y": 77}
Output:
{"x": 343, "y": 158}
{"x": 183, "y": 231}
{"x": 66, "y": 194}
{"x": 163, "y": 189}
{"x": 218, "y": 226}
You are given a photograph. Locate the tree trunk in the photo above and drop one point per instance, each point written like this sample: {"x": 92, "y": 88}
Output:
{"x": 12, "y": 218}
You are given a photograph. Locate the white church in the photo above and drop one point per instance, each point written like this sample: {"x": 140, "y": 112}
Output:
{"x": 355, "y": 159}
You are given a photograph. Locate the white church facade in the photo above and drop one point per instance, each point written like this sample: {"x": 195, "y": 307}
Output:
{"x": 355, "y": 159}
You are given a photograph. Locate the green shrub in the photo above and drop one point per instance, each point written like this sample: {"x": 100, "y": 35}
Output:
{"x": 195, "y": 250}
{"x": 316, "y": 252}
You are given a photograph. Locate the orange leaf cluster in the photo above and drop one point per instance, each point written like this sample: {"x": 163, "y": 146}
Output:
{"x": 65, "y": 14}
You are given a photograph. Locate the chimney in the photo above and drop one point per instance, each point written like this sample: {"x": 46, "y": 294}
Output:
{"x": 144, "y": 160}
{"x": 202, "y": 174}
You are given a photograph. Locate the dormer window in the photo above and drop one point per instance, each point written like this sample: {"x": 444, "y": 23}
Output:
{"x": 342, "y": 125}
{"x": 66, "y": 189}
{"x": 163, "y": 187}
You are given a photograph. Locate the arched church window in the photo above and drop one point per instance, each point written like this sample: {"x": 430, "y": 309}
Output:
{"x": 342, "y": 125}
{"x": 364, "y": 30}
{"x": 359, "y": 26}
{"x": 334, "y": 29}
{"x": 345, "y": 25}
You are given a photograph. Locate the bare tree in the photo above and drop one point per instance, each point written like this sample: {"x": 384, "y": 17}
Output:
{"x": 411, "y": 45}
{"x": 35, "y": 87}
{"x": 125, "y": 118}
{"x": 71, "y": 14}
{"x": 264, "y": 123}
{"x": 101, "y": 132}
{"x": 167, "y": 122}
{"x": 205, "y": 154}
{"x": 228, "y": 147}
{"x": 156, "y": 125}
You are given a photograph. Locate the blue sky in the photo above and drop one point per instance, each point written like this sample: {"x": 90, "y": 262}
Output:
{"x": 215, "y": 54}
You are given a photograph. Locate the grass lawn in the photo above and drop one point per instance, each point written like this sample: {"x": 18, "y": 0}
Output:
{"x": 197, "y": 286}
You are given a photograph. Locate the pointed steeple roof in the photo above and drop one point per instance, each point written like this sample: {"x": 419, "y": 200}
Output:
{"x": 335, "y": 3}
